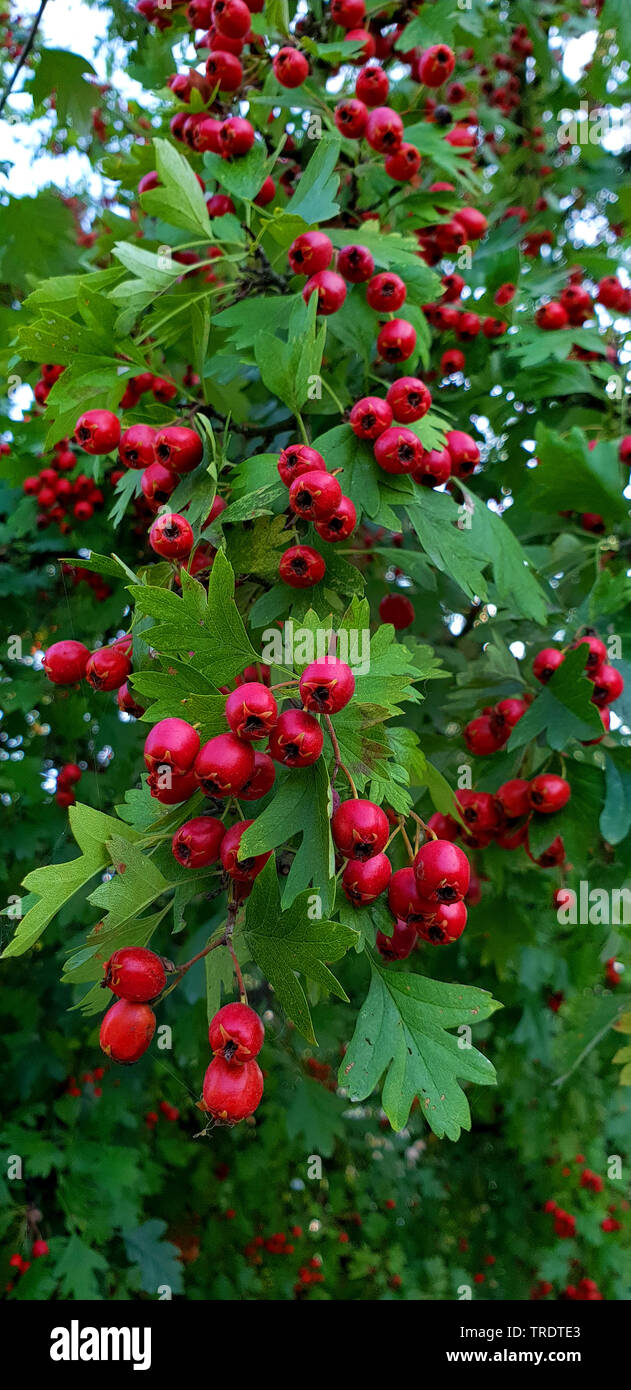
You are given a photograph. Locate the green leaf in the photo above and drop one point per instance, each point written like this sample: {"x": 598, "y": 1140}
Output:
{"x": 243, "y": 177}
{"x": 314, "y": 199}
{"x": 135, "y": 885}
{"x": 563, "y": 709}
{"x": 402, "y": 1031}
{"x": 615, "y": 819}
{"x": 516, "y": 584}
{"x": 300, "y": 807}
{"x": 156, "y": 1257}
{"x": 287, "y": 944}
{"x": 219, "y": 640}
{"x": 179, "y": 200}
{"x": 316, "y": 1114}
{"x": 77, "y": 1269}
{"x": 435, "y": 519}
{"x": 62, "y": 72}
{"x": 590, "y": 478}
{"x": 435, "y": 24}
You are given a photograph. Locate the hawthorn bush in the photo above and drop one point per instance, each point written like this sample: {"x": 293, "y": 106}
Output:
{"x": 316, "y": 740}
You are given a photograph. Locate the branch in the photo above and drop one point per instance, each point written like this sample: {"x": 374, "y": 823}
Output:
{"x": 23, "y": 55}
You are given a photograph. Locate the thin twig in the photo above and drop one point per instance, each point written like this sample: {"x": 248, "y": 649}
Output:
{"x": 23, "y": 56}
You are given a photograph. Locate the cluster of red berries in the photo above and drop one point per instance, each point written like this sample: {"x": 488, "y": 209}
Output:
{"x": 162, "y": 390}
{"x": 445, "y": 239}
{"x": 136, "y": 976}
{"x": 76, "y": 574}
{"x": 491, "y": 729}
{"x": 398, "y": 449}
{"x": 59, "y": 498}
{"x": 67, "y": 778}
{"x": 504, "y": 816}
{"x": 107, "y": 668}
{"x": 363, "y": 117}
{"x": 575, "y": 304}
{"x": 170, "y": 1112}
{"x": 17, "y": 1261}
{"x": 233, "y": 1084}
{"x": 607, "y": 681}
{"x": 314, "y": 495}
{"x": 89, "y": 1078}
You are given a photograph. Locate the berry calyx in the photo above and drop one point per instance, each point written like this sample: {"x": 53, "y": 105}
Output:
{"x": 172, "y": 742}
{"x": 355, "y": 263}
{"x": 315, "y": 495}
{"x": 360, "y": 829}
{"x": 178, "y": 448}
{"x": 398, "y": 450}
{"x": 549, "y": 793}
{"x": 236, "y": 1033}
{"x": 301, "y": 566}
{"x": 98, "y": 431}
{"x": 134, "y": 973}
{"x": 297, "y": 459}
{"x": 171, "y": 536}
{"x": 445, "y": 923}
{"x": 409, "y": 399}
{"x": 107, "y": 668}
{"x": 243, "y": 870}
{"x": 364, "y": 880}
{"x": 442, "y": 871}
{"x": 310, "y": 252}
{"x": 232, "y": 1093}
{"x": 369, "y": 417}
{"x": 396, "y": 340}
{"x": 224, "y": 765}
{"x": 386, "y": 292}
{"x": 251, "y": 711}
{"x": 326, "y": 686}
{"x": 198, "y": 842}
{"x": 126, "y": 1031}
{"x": 297, "y": 739}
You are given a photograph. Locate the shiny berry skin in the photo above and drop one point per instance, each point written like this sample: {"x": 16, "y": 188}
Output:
{"x": 384, "y": 130}
{"x": 98, "y": 431}
{"x": 236, "y": 137}
{"x": 330, "y": 289}
{"x": 251, "y": 711}
{"x": 126, "y": 1031}
{"x": 509, "y": 712}
{"x": 481, "y": 737}
{"x": 178, "y": 448}
{"x": 546, "y": 663}
{"x": 549, "y": 793}
{"x": 69, "y": 774}
{"x": 297, "y": 739}
{"x": 396, "y": 340}
{"x": 350, "y": 117}
{"x": 348, "y": 13}
{"x": 363, "y": 880}
{"x": 504, "y": 294}
{"x": 436, "y": 65}
{"x": 297, "y": 459}
{"x": 442, "y": 871}
{"x": 137, "y": 446}
{"x": 475, "y": 223}
{"x": 301, "y": 566}
{"x": 236, "y": 1033}
{"x": 398, "y": 450}
{"x": 232, "y": 1093}
{"x": 241, "y": 870}
{"x": 355, "y": 263}
{"x": 444, "y": 924}
{"x": 326, "y": 686}
{"x": 135, "y": 974}
{"x": 372, "y": 86}
{"x": 224, "y": 765}
{"x": 409, "y": 399}
{"x": 341, "y": 524}
{"x": 513, "y": 798}
{"x": 290, "y": 67}
{"x": 171, "y": 536}
{"x": 310, "y": 252}
{"x": 608, "y": 685}
{"x": 596, "y": 652}
{"x": 157, "y": 484}
{"x": 231, "y": 17}
{"x": 445, "y": 827}
{"x": 315, "y": 495}
{"x": 478, "y": 811}
{"x": 398, "y": 610}
{"x": 170, "y": 788}
{"x": 172, "y": 743}
{"x": 433, "y": 467}
{"x": 198, "y": 842}
{"x": 107, "y": 668}
{"x": 65, "y": 662}
{"x": 386, "y": 292}
{"x": 369, "y": 417}
{"x": 262, "y": 779}
{"x": 404, "y": 164}
{"x": 404, "y": 899}
{"x": 219, "y": 204}
{"x": 360, "y": 829}
{"x": 402, "y": 942}
{"x": 551, "y": 316}
{"x": 224, "y": 68}
{"x": 463, "y": 452}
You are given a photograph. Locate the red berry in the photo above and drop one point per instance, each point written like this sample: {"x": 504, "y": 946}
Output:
{"x": 137, "y": 446}
{"x": 433, "y": 467}
{"x": 348, "y": 13}
{"x": 65, "y": 662}
{"x": 350, "y": 117}
{"x": 236, "y": 1033}
{"x": 369, "y": 417}
{"x": 608, "y": 685}
{"x": 170, "y": 788}
{"x": 107, "y": 668}
{"x": 315, "y": 495}
{"x": 341, "y": 524}
{"x": 409, "y": 398}
{"x": 481, "y": 737}
{"x": 404, "y": 899}
{"x": 513, "y": 798}
{"x": 384, "y": 130}
{"x": 402, "y": 942}
{"x": 232, "y": 1093}
{"x": 504, "y": 294}
{"x": 330, "y": 289}
{"x": 197, "y": 842}
{"x": 442, "y": 871}
{"x": 231, "y": 17}
{"x": 251, "y": 710}
{"x": 479, "y": 812}
{"x": 127, "y": 703}
{"x": 290, "y": 67}
{"x": 69, "y": 774}
{"x": 98, "y": 431}
{"x": 172, "y": 742}
{"x": 436, "y": 65}
{"x": 372, "y": 86}
{"x": 135, "y": 974}
{"x": 297, "y": 459}
{"x": 365, "y": 880}
{"x": 551, "y": 316}
{"x": 246, "y": 869}
{"x": 224, "y": 765}
{"x": 398, "y": 450}
{"x": 445, "y": 923}
{"x": 510, "y": 711}
{"x": 398, "y": 610}
{"x": 475, "y": 223}
{"x": 445, "y": 827}
{"x": 301, "y": 566}
{"x": 310, "y": 252}
{"x": 297, "y": 739}
{"x": 596, "y": 651}
{"x": 396, "y": 340}
{"x": 546, "y": 663}
{"x": 404, "y": 164}
{"x": 360, "y": 829}
{"x": 171, "y": 536}
{"x": 326, "y": 686}
{"x": 463, "y": 452}
{"x": 355, "y": 263}
{"x": 219, "y": 204}
{"x": 178, "y": 448}
{"x": 236, "y": 137}
{"x": 386, "y": 292}
{"x": 126, "y": 1031}
{"x": 262, "y": 779}
{"x": 158, "y": 483}
{"x": 549, "y": 793}
{"x": 39, "y": 1248}
{"x": 225, "y": 69}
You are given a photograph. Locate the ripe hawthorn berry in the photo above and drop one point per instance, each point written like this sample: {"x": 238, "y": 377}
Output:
{"x": 513, "y": 798}
{"x": 546, "y": 663}
{"x": 549, "y": 793}
{"x": 69, "y": 774}
{"x": 372, "y": 86}
{"x": 330, "y": 289}
{"x": 384, "y": 130}
{"x": 198, "y": 842}
{"x": 136, "y": 448}
{"x": 509, "y": 711}
{"x": 236, "y": 137}
{"x": 435, "y": 65}
{"x": 241, "y": 870}
{"x": 126, "y": 1031}
{"x": 291, "y": 67}
{"x": 171, "y": 536}
{"x": 157, "y": 483}
{"x": 126, "y": 702}
{"x": 478, "y": 811}
{"x": 326, "y": 686}
{"x": 475, "y": 223}
{"x": 251, "y": 711}
{"x": 396, "y": 340}
{"x": 443, "y": 923}
{"x": 262, "y": 779}
{"x": 170, "y": 788}
{"x": 596, "y": 651}
{"x": 348, "y": 13}
{"x": 219, "y": 204}
{"x": 360, "y": 829}
{"x": 402, "y": 942}
{"x": 39, "y": 1248}
{"x": 236, "y": 1033}
{"x": 463, "y": 452}
{"x": 442, "y": 871}
{"x": 404, "y": 164}
{"x": 355, "y": 263}
{"x": 301, "y": 567}
{"x": 481, "y": 737}
{"x": 224, "y": 765}
{"x": 315, "y": 495}
{"x": 178, "y": 448}
{"x": 65, "y": 662}
{"x": 398, "y": 450}
{"x": 231, "y": 17}
{"x": 173, "y": 742}
{"x": 107, "y": 668}
{"x": 608, "y": 685}
{"x": 369, "y": 417}
{"x": 310, "y": 252}
{"x": 232, "y": 1093}
{"x": 98, "y": 431}
{"x": 350, "y": 117}
{"x": 386, "y": 292}
{"x": 551, "y": 316}
{"x": 297, "y": 459}
{"x": 224, "y": 68}
{"x": 134, "y": 973}
{"x": 551, "y": 857}
{"x": 364, "y": 880}
{"x": 409, "y": 399}
{"x": 445, "y": 827}
{"x": 341, "y": 524}
{"x": 398, "y": 610}
{"x": 297, "y": 739}
{"x": 404, "y": 899}
{"x": 433, "y": 467}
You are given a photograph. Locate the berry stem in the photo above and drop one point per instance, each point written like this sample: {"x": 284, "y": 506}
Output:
{"x": 243, "y": 994}
{"x": 406, "y": 838}
{"x": 428, "y": 831}
{"x": 339, "y": 765}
